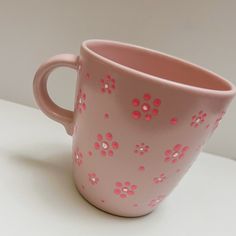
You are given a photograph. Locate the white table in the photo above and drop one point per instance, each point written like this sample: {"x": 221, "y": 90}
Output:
{"x": 38, "y": 197}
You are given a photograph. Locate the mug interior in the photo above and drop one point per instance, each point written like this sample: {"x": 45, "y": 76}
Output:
{"x": 158, "y": 64}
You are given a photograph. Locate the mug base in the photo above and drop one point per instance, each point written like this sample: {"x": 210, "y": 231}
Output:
{"x": 102, "y": 208}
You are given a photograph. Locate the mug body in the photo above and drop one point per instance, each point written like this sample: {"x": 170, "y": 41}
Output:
{"x": 141, "y": 118}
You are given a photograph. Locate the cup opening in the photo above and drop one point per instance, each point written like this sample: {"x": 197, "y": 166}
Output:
{"x": 157, "y": 64}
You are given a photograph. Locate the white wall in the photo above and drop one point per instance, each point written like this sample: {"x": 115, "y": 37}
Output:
{"x": 201, "y": 31}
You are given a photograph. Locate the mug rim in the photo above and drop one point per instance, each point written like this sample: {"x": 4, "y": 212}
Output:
{"x": 153, "y": 78}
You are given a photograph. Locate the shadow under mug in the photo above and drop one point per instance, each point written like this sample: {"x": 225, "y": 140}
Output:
{"x": 140, "y": 119}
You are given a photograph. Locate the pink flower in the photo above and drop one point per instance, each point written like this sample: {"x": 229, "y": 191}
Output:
{"x": 106, "y": 145}
{"x": 141, "y": 149}
{"x": 78, "y": 157}
{"x": 141, "y": 168}
{"x": 154, "y": 202}
{"x": 173, "y": 121}
{"x": 159, "y": 179}
{"x": 176, "y": 153}
{"x": 81, "y": 106}
{"x": 93, "y": 178}
{"x": 106, "y": 115}
{"x": 124, "y": 190}
{"x": 108, "y": 84}
{"x": 198, "y": 119}
{"x": 147, "y": 108}
{"x": 218, "y": 120}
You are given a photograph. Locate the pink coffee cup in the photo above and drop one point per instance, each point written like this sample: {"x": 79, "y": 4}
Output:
{"x": 140, "y": 119}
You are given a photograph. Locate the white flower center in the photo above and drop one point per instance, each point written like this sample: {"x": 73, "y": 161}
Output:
{"x": 141, "y": 149}
{"x": 106, "y": 85}
{"x": 198, "y": 120}
{"x": 125, "y": 189}
{"x": 105, "y": 145}
{"x": 93, "y": 179}
{"x": 175, "y": 154}
{"x": 145, "y": 107}
{"x": 80, "y": 100}
{"x": 156, "y": 201}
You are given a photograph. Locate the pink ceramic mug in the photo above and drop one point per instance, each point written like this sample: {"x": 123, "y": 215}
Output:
{"x": 139, "y": 121}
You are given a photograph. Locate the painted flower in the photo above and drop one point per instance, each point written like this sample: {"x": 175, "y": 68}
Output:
{"x": 124, "y": 190}
{"x": 108, "y": 84}
{"x": 159, "y": 179}
{"x": 106, "y": 115}
{"x": 154, "y": 202}
{"x": 106, "y": 145}
{"x": 173, "y": 121}
{"x": 218, "y": 120}
{"x": 198, "y": 119}
{"x": 141, "y": 149}
{"x": 93, "y": 178}
{"x": 81, "y": 105}
{"x": 90, "y": 153}
{"x": 141, "y": 168}
{"x": 178, "y": 152}
{"x": 145, "y": 107}
{"x": 78, "y": 157}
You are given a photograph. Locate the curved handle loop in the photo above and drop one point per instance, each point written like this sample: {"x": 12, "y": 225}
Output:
{"x": 43, "y": 100}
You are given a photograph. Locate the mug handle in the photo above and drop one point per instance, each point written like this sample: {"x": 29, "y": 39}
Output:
{"x": 45, "y": 103}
